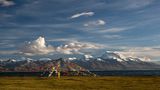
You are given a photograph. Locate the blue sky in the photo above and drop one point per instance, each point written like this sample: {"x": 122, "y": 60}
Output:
{"x": 127, "y": 26}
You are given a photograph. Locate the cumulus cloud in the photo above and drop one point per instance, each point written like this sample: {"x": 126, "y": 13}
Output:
{"x": 39, "y": 47}
{"x": 6, "y": 3}
{"x": 82, "y": 14}
{"x": 95, "y": 23}
{"x": 74, "y": 47}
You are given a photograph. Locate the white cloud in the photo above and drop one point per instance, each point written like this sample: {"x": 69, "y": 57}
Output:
{"x": 95, "y": 23}
{"x": 101, "y": 22}
{"x": 74, "y": 47}
{"x": 39, "y": 47}
{"x": 6, "y": 3}
{"x": 82, "y": 14}
{"x": 112, "y": 36}
{"x": 113, "y": 30}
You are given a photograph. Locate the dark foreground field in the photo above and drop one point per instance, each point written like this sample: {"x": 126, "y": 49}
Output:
{"x": 80, "y": 83}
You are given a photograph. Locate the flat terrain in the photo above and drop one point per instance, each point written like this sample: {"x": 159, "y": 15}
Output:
{"x": 80, "y": 83}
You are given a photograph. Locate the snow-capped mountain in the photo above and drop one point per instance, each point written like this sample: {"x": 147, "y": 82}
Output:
{"x": 8, "y": 60}
{"x": 116, "y": 61}
{"x": 71, "y": 58}
{"x": 108, "y": 61}
{"x": 111, "y": 55}
{"x": 38, "y": 66}
{"x": 121, "y": 58}
{"x": 88, "y": 57}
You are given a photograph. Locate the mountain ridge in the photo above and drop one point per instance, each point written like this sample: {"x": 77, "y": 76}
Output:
{"x": 108, "y": 61}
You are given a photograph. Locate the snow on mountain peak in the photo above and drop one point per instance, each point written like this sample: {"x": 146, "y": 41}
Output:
{"x": 99, "y": 59}
{"x": 13, "y": 60}
{"x": 111, "y": 55}
{"x": 88, "y": 57}
{"x": 73, "y": 58}
{"x": 45, "y": 59}
{"x": 120, "y": 57}
{"x": 145, "y": 59}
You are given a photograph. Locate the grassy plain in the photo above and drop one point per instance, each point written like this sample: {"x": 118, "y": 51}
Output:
{"x": 81, "y": 83}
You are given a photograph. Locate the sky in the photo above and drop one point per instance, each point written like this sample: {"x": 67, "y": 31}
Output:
{"x": 44, "y": 28}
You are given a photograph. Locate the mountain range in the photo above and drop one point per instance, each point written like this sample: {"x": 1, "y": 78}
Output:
{"x": 107, "y": 61}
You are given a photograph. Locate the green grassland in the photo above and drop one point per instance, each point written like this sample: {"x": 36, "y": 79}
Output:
{"x": 80, "y": 83}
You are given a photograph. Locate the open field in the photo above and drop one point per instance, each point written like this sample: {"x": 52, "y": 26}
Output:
{"x": 80, "y": 83}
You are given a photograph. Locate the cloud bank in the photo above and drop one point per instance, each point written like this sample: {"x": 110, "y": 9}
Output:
{"x": 145, "y": 53}
{"x": 39, "y": 47}
{"x": 74, "y": 47}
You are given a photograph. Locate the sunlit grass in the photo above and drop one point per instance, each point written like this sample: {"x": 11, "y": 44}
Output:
{"x": 80, "y": 83}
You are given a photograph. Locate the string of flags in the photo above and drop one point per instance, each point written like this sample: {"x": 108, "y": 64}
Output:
{"x": 55, "y": 69}
{"x": 74, "y": 69}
